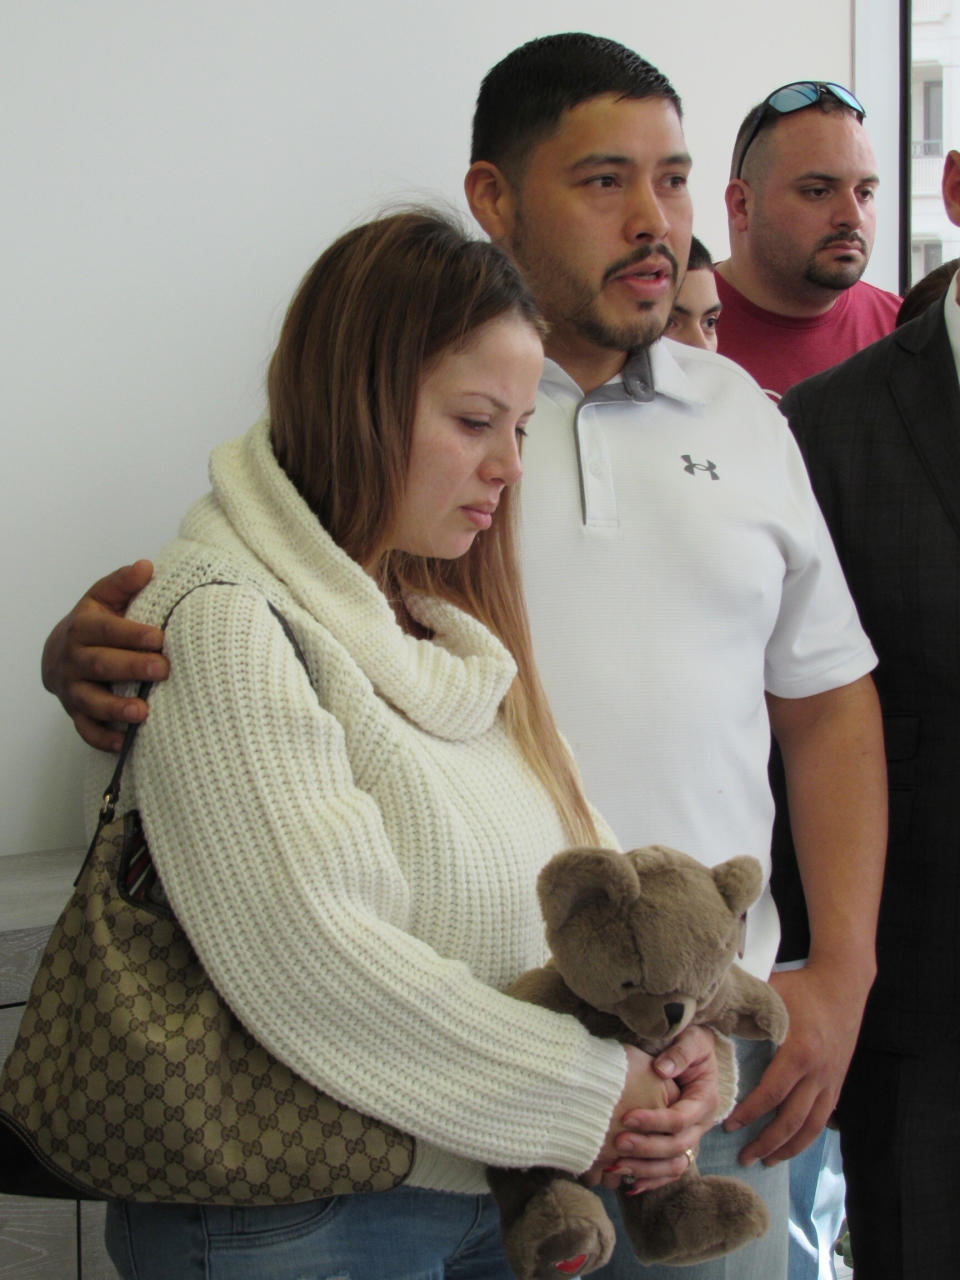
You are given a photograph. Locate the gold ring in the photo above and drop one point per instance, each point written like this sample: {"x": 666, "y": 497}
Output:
{"x": 690, "y": 1154}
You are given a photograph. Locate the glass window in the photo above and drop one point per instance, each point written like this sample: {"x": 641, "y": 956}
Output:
{"x": 932, "y": 255}
{"x": 933, "y": 117}
{"x": 934, "y": 99}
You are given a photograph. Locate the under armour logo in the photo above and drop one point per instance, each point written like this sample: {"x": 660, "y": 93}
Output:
{"x": 693, "y": 467}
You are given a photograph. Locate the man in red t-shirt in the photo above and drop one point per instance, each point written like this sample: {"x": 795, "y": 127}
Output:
{"x": 802, "y": 217}
{"x": 801, "y": 213}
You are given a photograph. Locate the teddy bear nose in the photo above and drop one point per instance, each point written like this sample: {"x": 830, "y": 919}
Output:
{"x": 673, "y": 1012}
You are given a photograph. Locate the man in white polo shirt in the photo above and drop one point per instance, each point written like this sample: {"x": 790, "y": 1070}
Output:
{"x": 683, "y": 591}
{"x": 678, "y": 573}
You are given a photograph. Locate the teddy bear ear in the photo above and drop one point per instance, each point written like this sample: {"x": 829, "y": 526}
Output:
{"x": 580, "y": 878}
{"x": 739, "y": 881}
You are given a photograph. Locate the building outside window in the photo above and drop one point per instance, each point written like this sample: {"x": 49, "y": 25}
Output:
{"x": 935, "y": 129}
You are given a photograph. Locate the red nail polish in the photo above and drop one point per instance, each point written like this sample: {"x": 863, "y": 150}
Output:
{"x": 572, "y": 1265}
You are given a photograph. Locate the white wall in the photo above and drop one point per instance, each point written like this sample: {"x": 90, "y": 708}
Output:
{"x": 170, "y": 170}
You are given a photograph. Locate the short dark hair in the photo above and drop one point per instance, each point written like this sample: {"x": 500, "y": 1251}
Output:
{"x": 523, "y": 97}
{"x": 700, "y": 259}
{"x": 763, "y": 117}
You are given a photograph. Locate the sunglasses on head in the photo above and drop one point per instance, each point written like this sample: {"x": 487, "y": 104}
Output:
{"x": 794, "y": 97}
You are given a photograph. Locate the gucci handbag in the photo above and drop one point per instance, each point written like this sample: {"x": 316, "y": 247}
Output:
{"x": 131, "y": 1079}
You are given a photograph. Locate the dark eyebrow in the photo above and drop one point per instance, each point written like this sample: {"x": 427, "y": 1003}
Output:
{"x": 871, "y": 178}
{"x": 597, "y": 158}
{"x": 605, "y": 157}
{"x": 714, "y": 309}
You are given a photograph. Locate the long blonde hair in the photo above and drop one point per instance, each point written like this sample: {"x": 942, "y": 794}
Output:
{"x": 370, "y": 318}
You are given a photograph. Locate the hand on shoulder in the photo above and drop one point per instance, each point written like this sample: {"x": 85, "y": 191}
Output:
{"x": 94, "y": 646}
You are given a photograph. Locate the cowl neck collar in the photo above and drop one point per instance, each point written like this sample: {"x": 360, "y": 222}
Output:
{"x": 451, "y": 686}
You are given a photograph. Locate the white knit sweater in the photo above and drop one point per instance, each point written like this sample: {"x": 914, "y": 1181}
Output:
{"x": 355, "y": 862}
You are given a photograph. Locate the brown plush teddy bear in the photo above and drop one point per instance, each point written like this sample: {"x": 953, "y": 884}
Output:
{"x": 643, "y": 946}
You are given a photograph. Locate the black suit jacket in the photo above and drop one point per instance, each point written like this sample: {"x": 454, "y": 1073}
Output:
{"x": 881, "y": 437}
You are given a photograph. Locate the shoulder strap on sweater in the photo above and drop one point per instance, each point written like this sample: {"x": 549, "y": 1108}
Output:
{"x": 111, "y": 796}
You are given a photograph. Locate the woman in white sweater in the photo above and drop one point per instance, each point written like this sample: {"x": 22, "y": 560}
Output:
{"x": 351, "y": 836}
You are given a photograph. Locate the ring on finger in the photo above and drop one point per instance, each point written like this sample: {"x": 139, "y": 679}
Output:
{"x": 691, "y": 1156}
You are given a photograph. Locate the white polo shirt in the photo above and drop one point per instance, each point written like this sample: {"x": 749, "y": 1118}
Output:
{"x": 677, "y": 567}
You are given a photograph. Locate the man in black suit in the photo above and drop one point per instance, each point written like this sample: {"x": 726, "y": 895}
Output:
{"x": 881, "y": 437}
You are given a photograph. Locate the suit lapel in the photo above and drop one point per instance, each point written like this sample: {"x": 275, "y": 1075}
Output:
{"x": 924, "y": 387}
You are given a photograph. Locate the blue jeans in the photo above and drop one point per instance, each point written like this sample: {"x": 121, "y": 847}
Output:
{"x": 405, "y": 1234}
{"x": 411, "y": 1234}
{"x": 765, "y": 1259}
{"x": 816, "y": 1208}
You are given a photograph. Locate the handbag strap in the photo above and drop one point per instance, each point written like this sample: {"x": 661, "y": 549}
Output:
{"x": 111, "y": 795}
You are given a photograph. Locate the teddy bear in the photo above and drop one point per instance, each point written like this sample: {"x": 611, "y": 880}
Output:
{"x": 643, "y": 945}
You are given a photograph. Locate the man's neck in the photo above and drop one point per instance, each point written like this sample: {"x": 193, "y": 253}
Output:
{"x": 809, "y": 300}
{"x": 589, "y": 366}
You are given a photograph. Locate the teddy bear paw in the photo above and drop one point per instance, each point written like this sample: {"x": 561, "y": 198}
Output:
{"x": 564, "y": 1231}
{"x": 695, "y": 1220}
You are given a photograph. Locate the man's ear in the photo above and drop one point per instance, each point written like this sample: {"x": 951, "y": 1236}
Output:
{"x": 951, "y": 186}
{"x": 738, "y": 198}
{"x": 491, "y": 200}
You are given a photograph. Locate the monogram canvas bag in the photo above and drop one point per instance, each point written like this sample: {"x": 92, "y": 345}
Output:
{"x": 131, "y": 1079}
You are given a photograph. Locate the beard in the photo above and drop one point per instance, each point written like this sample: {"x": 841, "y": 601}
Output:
{"x": 836, "y": 275}
{"x": 634, "y": 336}
{"x": 568, "y": 301}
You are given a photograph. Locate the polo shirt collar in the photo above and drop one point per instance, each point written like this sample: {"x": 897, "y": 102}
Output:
{"x": 670, "y": 378}
{"x": 645, "y": 375}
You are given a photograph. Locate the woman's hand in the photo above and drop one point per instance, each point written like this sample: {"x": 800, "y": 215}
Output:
{"x": 666, "y": 1107}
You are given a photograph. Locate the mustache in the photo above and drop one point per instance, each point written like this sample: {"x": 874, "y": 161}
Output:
{"x": 844, "y": 237}
{"x": 641, "y": 255}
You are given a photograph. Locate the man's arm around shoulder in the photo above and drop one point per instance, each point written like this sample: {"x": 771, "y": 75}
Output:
{"x": 95, "y": 646}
